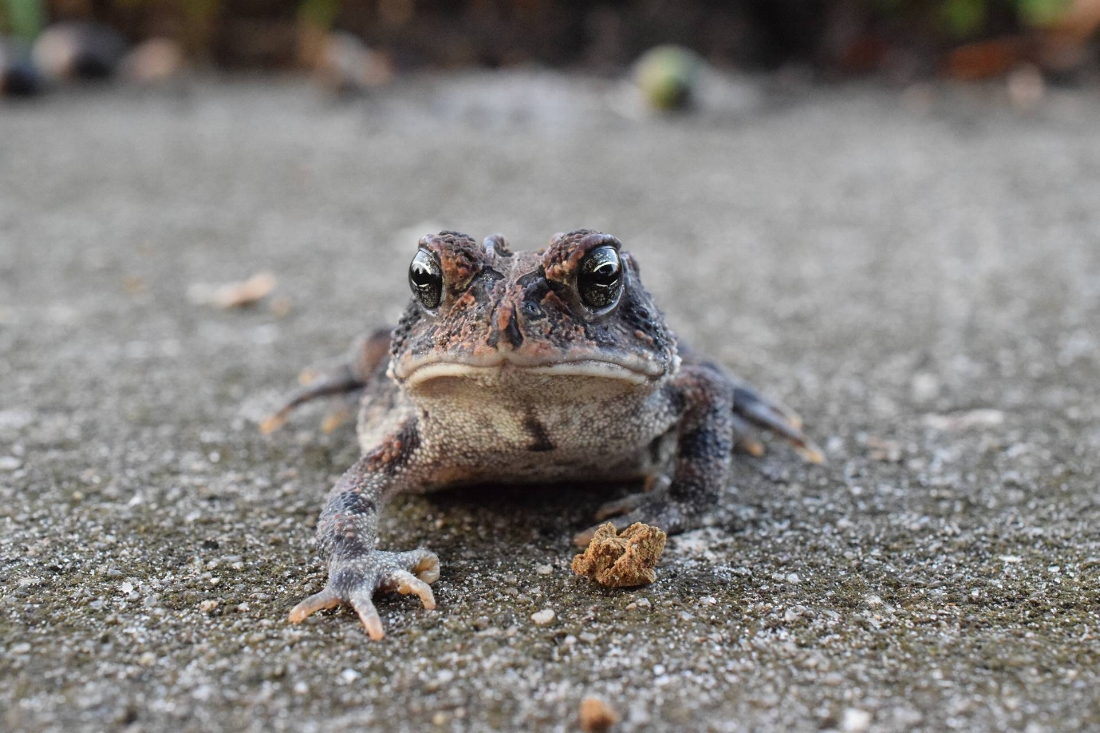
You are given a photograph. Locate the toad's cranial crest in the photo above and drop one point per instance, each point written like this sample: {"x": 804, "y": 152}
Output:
{"x": 543, "y": 366}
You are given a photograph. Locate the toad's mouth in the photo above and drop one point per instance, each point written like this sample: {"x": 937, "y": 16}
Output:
{"x": 634, "y": 371}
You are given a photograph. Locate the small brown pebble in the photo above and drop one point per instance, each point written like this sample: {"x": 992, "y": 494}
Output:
{"x": 886, "y": 451}
{"x": 133, "y": 285}
{"x": 596, "y": 715}
{"x": 281, "y": 306}
{"x": 622, "y": 560}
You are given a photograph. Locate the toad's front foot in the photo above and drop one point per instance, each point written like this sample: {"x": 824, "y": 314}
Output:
{"x": 656, "y": 511}
{"x": 354, "y": 582}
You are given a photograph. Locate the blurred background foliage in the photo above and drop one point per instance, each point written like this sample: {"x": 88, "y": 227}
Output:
{"x": 841, "y": 36}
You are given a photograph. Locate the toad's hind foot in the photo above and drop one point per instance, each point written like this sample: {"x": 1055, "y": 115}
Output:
{"x": 749, "y": 407}
{"x": 348, "y": 376}
{"x": 355, "y": 582}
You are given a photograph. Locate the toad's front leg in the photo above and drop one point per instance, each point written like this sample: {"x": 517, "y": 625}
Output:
{"x": 705, "y": 435}
{"x": 348, "y": 530}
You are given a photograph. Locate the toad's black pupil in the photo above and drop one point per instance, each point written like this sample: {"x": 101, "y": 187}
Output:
{"x": 605, "y": 274}
{"x": 421, "y": 275}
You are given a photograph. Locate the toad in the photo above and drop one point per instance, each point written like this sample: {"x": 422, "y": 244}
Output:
{"x": 509, "y": 367}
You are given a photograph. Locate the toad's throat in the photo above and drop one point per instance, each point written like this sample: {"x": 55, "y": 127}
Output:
{"x": 635, "y": 372}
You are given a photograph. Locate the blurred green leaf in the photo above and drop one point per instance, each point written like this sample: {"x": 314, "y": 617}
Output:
{"x": 201, "y": 10}
{"x": 25, "y": 18}
{"x": 1042, "y": 13}
{"x": 963, "y": 17}
{"x": 319, "y": 13}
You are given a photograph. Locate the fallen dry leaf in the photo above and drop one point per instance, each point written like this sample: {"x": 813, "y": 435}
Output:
{"x": 964, "y": 420}
{"x": 622, "y": 560}
{"x": 985, "y": 59}
{"x": 234, "y": 295}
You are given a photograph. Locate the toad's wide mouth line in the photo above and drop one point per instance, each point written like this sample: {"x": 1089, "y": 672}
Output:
{"x": 641, "y": 373}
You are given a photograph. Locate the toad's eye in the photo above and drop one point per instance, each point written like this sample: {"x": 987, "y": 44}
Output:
{"x": 426, "y": 279}
{"x": 600, "y": 279}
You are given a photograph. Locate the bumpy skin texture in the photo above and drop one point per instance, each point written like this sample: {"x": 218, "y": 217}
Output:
{"x": 512, "y": 377}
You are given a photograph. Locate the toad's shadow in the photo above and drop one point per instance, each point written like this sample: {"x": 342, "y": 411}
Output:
{"x": 547, "y": 514}
{"x": 551, "y": 514}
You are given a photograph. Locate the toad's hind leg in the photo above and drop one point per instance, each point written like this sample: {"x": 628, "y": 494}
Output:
{"x": 751, "y": 408}
{"x": 350, "y": 375}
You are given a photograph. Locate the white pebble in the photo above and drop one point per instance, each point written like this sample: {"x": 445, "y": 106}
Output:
{"x": 855, "y": 720}
{"x": 543, "y": 617}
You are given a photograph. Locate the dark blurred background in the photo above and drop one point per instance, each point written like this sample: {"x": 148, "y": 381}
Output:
{"x": 902, "y": 39}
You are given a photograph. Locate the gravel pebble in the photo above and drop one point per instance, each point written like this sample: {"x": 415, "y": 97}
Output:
{"x": 543, "y": 617}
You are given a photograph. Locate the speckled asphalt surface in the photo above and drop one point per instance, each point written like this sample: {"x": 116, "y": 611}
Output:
{"x": 918, "y": 274}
